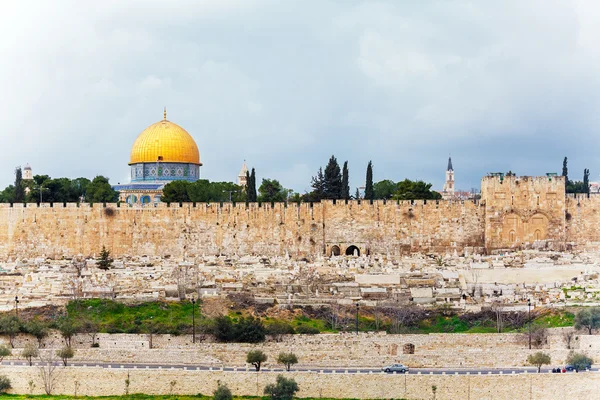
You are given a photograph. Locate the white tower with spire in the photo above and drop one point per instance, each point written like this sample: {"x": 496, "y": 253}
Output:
{"x": 448, "y": 191}
{"x": 27, "y": 173}
{"x": 242, "y": 181}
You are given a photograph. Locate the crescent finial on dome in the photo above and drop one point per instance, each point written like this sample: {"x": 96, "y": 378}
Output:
{"x": 165, "y": 113}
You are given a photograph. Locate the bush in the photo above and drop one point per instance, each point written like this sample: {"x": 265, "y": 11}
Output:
{"x": 256, "y": 358}
{"x": 277, "y": 329}
{"x": 579, "y": 361}
{"x": 222, "y": 393}
{"x": 284, "y": 389}
{"x": 96, "y": 344}
{"x": 4, "y": 384}
{"x": 250, "y": 330}
{"x": 307, "y": 330}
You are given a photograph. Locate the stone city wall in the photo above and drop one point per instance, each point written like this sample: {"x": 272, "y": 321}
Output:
{"x": 514, "y": 212}
{"x": 195, "y": 229}
{"x": 98, "y": 381}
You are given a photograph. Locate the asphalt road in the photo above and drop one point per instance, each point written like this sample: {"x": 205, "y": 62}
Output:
{"x": 413, "y": 371}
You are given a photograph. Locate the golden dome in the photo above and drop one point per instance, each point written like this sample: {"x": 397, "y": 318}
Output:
{"x": 166, "y": 142}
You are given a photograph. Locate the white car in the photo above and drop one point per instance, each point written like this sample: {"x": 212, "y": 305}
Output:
{"x": 395, "y": 368}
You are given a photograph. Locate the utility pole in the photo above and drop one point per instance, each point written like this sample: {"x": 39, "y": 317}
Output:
{"x": 193, "y": 320}
{"x": 357, "y": 318}
{"x": 17, "y": 306}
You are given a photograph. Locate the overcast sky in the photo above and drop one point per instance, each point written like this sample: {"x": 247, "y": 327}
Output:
{"x": 499, "y": 85}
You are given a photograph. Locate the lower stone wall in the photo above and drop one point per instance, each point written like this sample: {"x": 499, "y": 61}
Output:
{"x": 328, "y": 350}
{"x": 97, "y": 381}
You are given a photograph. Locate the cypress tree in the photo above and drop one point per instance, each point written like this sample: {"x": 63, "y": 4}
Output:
{"x": 345, "y": 183}
{"x": 565, "y": 170}
{"x": 586, "y": 181}
{"x": 253, "y": 195}
{"x": 19, "y": 195}
{"x": 318, "y": 185}
{"x": 332, "y": 180}
{"x": 369, "y": 194}
{"x": 247, "y": 186}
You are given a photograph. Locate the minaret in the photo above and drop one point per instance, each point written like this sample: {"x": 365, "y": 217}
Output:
{"x": 242, "y": 181}
{"x": 448, "y": 191}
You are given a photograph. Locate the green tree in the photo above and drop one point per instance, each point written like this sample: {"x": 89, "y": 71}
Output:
{"x": 586, "y": 181}
{"x": 176, "y": 192}
{"x": 284, "y": 389}
{"x": 222, "y": 392}
{"x": 4, "y": 384}
{"x": 19, "y": 193}
{"x": 345, "y": 182}
{"x": 318, "y": 185}
{"x": 256, "y": 358}
{"x": 37, "y": 329}
{"x": 68, "y": 328}
{"x": 65, "y": 354}
{"x": 224, "y": 329}
{"x": 271, "y": 191}
{"x": 579, "y": 361}
{"x": 100, "y": 191}
{"x": 588, "y": 318}
{"x": 252, "y": 193}
{"x": 415, "y": 190}
{"x": 10, "y": 326}
{"x": 287, "y": 359}
{"x": 7, "y": 195}
{"x": 384, "y": 190}
{"x": 332, "y": 184}
{"x": 29, "y": 351}
{"x": 369, "y": 194}
{"x": 565, "y": 170}
{"x": 4, "y": 352}
{"x": 104, "y": 262}
{"x": 250, "y": 330}
{"x": 538, "y": 359}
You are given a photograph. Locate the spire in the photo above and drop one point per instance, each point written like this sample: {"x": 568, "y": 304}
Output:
{"x": 165, "y": 113}
{"x": 450, "y": 164}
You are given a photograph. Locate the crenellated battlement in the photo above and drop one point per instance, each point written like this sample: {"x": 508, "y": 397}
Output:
{"x": 514, "y": 212}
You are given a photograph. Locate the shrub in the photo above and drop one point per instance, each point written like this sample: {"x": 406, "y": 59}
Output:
{"x": 4, "y": 384}
{"x": 96, "y": 344}
{"x": 579, "y": 361}
{"x": 277, "y": 329}
{"x": 307, "y": 330}
{"x": 284, "y": 389}
{"x": 287, "y": 359}
{"x": 250, "y": 330}
{"x": 256, "y": 358}
{"x": 222, "y": 393}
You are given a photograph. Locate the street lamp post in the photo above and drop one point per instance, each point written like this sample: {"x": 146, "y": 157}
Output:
{"x": 357, "y": 318}
{"x": 193, "y": 320}
{"x": 17, "y": 306}
{"x": 529, "y": 318}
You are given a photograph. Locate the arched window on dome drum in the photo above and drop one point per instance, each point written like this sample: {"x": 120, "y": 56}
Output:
{"x": 132, "y": 199}
{"x": 145, "y": 199}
